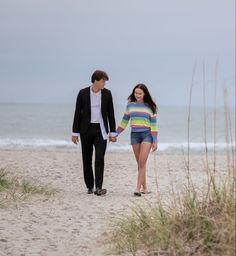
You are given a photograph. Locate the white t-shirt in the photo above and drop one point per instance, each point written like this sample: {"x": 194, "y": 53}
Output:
{"x": 96, "y": 114}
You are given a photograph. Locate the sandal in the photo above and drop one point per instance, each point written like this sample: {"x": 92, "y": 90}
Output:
{"x": 137, "y": 194}
{"x": 148, "y": 192}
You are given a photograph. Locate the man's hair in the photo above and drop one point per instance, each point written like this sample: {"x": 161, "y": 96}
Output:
{"x": 98, "y": 75}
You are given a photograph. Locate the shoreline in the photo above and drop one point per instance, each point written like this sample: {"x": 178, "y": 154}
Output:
{"x": 111, "y": 150}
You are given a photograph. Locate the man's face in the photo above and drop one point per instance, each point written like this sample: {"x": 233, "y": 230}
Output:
{"x": 100, "y": 84}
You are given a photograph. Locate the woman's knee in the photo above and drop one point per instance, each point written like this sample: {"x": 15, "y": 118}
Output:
{"x": 141, "y": 163}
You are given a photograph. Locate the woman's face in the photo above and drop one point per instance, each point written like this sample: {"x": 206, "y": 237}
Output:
{"x": 139, "y": 94}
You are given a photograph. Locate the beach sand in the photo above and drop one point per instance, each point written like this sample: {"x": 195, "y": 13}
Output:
{"x": 71, "y": 222}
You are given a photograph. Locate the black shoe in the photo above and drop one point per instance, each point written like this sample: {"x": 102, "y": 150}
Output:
{"x": 90, "y": 190}
{"x": 137, "y": 194}
{"x": 100, "y": 191}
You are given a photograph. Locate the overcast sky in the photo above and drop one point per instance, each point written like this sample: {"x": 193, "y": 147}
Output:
{"x": 49, "y": 48}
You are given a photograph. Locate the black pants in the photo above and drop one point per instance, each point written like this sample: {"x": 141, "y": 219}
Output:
{"x": 89, "y": 140}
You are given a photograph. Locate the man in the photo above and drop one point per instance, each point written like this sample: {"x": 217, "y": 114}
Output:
{"x": 94, "y": 123}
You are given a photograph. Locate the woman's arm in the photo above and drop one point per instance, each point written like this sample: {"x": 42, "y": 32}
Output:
{"x": 154, "y": 127}
{"x": 124, "y": 122}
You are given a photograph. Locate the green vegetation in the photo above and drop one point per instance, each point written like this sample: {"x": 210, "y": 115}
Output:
{"x": 191, "y": 226}
{"x": 14, "y": 189}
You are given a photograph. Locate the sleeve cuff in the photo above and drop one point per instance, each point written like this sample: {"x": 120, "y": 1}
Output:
{"x": 113, "y": 134}
{"x": 75, "y": 134}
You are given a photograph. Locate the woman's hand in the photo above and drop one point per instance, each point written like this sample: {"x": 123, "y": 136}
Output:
{"x": 154, "y": 146}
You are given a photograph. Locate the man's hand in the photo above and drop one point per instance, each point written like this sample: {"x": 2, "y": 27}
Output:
{"x": 75, "y": 139}
{"x": 154, "y": 146}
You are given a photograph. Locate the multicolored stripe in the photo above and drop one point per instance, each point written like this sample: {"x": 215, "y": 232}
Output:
{"x": 141, "y": 119}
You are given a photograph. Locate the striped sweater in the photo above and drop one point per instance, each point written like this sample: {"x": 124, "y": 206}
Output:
{"x": 141, "y": 119}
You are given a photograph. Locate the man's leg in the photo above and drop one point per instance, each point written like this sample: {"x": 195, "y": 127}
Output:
{"x": 100, "y": 149}
{"x": 87, "y": 154}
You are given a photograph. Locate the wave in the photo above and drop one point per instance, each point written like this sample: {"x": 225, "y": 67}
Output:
{"x": 33, "y": 143}
{"x": 177, "y": 147}
{"x": 112, "y": 147}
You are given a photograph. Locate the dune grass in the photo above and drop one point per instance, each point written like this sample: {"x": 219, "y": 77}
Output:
{"x": 192, "y": 225}
{"x": 13, "y": 189}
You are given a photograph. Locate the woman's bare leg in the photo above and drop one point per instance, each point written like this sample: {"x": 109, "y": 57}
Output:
{"x": 141, "y": 152}
{"x": 136, "y": 150}
{"x": 143, "y": 156}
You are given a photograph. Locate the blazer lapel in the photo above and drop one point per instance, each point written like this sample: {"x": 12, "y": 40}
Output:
{"x": 88, "y": 99}
{"x": 102, "y": 100}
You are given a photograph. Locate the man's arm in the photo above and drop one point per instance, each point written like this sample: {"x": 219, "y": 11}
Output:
{"x": 77, "y": 115}
{"x": 77, "y": 118}
{"x": 111, "y": 115}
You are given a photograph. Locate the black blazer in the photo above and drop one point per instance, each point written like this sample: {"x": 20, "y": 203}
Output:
{"x": 82, "y": 114}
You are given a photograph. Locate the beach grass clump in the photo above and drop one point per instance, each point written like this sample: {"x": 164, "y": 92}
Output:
{"x": 13, "y": 189}
{"x": 193, "y": 225}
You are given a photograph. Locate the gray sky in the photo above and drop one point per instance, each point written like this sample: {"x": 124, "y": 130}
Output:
{"x": 49, "y": 48}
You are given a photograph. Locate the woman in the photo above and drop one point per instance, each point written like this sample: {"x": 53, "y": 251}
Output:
{"x": 141, "y": 110}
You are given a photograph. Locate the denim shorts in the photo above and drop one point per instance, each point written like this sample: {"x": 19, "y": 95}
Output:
{"x": 139, "y": 137}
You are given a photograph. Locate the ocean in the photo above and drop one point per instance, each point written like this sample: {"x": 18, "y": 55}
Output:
{"x": 45, "y": 126}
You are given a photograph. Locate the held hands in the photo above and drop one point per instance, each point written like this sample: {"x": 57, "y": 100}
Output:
{"x": 75, "y": 139}
{"x": 154, "y": 146}
{"x": 112, "y": 139}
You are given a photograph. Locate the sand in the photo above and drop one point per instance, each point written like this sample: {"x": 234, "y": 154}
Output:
{"x": 71, "y": 222}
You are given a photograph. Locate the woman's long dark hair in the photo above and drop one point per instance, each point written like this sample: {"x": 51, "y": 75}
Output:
{"x": 147, "y": 97}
